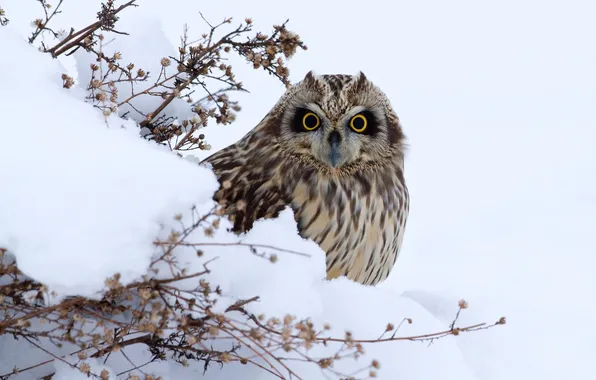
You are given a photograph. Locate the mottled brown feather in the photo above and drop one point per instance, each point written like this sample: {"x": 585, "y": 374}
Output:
{"x": 356, "y": 212}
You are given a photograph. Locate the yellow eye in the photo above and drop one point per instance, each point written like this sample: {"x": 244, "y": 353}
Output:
{"x": 310, "y": 121}
{"x": 359, "y": 123}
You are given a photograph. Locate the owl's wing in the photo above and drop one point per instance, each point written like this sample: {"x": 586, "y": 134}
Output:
{"x": 248, "y": 188}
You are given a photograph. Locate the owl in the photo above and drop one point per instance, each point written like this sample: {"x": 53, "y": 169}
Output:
{"x": 332, "y": 149}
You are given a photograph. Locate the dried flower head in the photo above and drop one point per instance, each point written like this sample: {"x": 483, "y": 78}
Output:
{"x": 67, "y": 81}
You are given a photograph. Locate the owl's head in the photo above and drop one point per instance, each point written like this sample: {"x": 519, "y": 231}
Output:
{"x": 338, "y": 123}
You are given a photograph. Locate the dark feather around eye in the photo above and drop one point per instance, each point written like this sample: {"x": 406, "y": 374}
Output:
{"x": 297, "y": 121}
{"x": 372, "y": 126}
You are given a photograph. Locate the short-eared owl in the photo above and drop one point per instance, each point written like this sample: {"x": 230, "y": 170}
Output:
{"x": 333, "y": 149}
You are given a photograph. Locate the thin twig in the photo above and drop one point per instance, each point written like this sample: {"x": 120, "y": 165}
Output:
{"x": 239, "y": 244}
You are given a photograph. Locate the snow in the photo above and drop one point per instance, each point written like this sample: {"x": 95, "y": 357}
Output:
{"x": 83, "y": 196}
{"x": 497, "y": 101}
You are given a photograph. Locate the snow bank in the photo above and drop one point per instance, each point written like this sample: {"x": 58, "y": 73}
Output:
{"x": 82, "y": 197}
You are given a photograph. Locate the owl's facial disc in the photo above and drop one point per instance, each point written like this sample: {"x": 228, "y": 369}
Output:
{"x": 333, "y": 140}
{"x": 345, "y": 140}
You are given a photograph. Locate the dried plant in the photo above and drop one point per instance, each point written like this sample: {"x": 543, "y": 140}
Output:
{"x": 177, "y": 323}
{"x": 198, "y": 75}
{"x": 41, "y": 25}
{"x": 159, "y": 312}
{"x": 3, "y": 19}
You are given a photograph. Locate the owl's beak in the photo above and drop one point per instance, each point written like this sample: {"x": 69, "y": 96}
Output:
{"x": 334, "y": 139}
